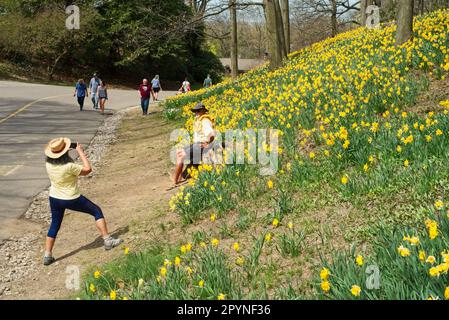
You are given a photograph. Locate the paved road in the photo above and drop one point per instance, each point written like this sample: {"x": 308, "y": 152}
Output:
{"x": 30, "y": 116}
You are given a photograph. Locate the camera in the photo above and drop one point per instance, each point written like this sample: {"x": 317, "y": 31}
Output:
{"x": 73, "y": 145}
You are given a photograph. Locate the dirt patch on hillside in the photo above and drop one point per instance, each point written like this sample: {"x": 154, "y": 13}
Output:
{"x": 429, "y": 101}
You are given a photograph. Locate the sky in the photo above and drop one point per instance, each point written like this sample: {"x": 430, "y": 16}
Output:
{"x": 251, "y": 13}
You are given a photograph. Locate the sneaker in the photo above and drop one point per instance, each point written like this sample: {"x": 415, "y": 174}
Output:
{"x": 48, "y": 261}
{"x": 111, "y": 243}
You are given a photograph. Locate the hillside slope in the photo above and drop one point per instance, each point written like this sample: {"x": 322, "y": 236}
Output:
{"x": 364, "y": 135}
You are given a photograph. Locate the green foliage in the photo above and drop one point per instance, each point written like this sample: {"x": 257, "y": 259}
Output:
{"x": 148, "y": 276}
{"x": 291, "y": 243}
{"x": 405, "y": 263}
{"x": 117, "y": 38}
{"x": 358, "y": 166}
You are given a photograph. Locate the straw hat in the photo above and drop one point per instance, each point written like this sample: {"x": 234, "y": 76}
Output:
{"x": 199, "y": 107}
{"x": 56, "y": 148}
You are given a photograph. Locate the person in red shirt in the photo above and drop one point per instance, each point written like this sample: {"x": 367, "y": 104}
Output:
{"x": 145, "y": 95}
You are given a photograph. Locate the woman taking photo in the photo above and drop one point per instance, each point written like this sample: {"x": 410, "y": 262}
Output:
{"x": 102, "y": 93}
{"x": 65, "y": 193}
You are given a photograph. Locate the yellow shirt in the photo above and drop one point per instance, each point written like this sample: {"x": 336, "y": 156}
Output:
{"x": 202, "y": 129}
{"x": 64, "y": 180}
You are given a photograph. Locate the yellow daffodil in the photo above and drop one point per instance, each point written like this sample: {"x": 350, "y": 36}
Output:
{"x": 268, "y": 237}
{"x": 359, "y": 260}
{"x": 324, "y": 274}
{"x": 430, "y": 259}
{"x": 433, "y": 272}
{"x": 404, "y": 252}
{"x": 325, "y": 286}
{"x": 422, "y": 256}
{"x": 439, "y": 204}
{"x": 356, "y": 290}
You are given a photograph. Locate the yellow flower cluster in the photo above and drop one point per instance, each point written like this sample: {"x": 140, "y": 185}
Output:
{"x": 338, "y": 98}
{"x": 414, "y": 241}
{"x": 432, "y": 227}
{"x": 315, "y": 83}
{"x": 403, "y": 251}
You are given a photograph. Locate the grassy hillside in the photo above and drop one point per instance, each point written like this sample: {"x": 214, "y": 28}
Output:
{"x": 364, "y": 131}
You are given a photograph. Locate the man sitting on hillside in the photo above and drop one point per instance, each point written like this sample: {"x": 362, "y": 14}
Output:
{"x": 203, "y": 138}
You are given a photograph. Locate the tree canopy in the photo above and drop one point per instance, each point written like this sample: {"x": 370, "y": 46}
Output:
{"x": 116, "y": 38}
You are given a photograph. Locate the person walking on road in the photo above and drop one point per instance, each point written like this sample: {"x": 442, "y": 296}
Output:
{"x": 102, "y": 93}
{"x": 156, "y": 87}
{"x": 81, "y": 93}
{"x": 185, "y": 87}
{"x": 93, "y": 87}
{"x": 65, "y": 193}
{"x": 145, "y": 95}
{"x": 207, "y": 82}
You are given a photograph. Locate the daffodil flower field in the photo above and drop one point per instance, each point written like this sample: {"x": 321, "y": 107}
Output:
{"x": 362, "y": 182}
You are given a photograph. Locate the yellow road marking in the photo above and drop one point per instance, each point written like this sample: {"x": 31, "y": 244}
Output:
{"x": 29, "y": 105}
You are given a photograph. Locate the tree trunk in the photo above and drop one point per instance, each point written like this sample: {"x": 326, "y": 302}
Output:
{"x": 272, "y": 38}
{"x": 280, "y": 30}
{"x": 421, "y": 7}
{"x": 286, "y": 21}
{"x": 363, "y": 6}
{"x": 404, "y": 21}
{"x": 334, "y": 18}
{"x": 234, "y": 40}
{"x": 387, "y": 10}
{"x": 51, "y": 68}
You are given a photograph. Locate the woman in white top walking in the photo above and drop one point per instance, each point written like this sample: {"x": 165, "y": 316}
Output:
{"x": 102, "y": 93}
{"x": 185, "y": 87}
